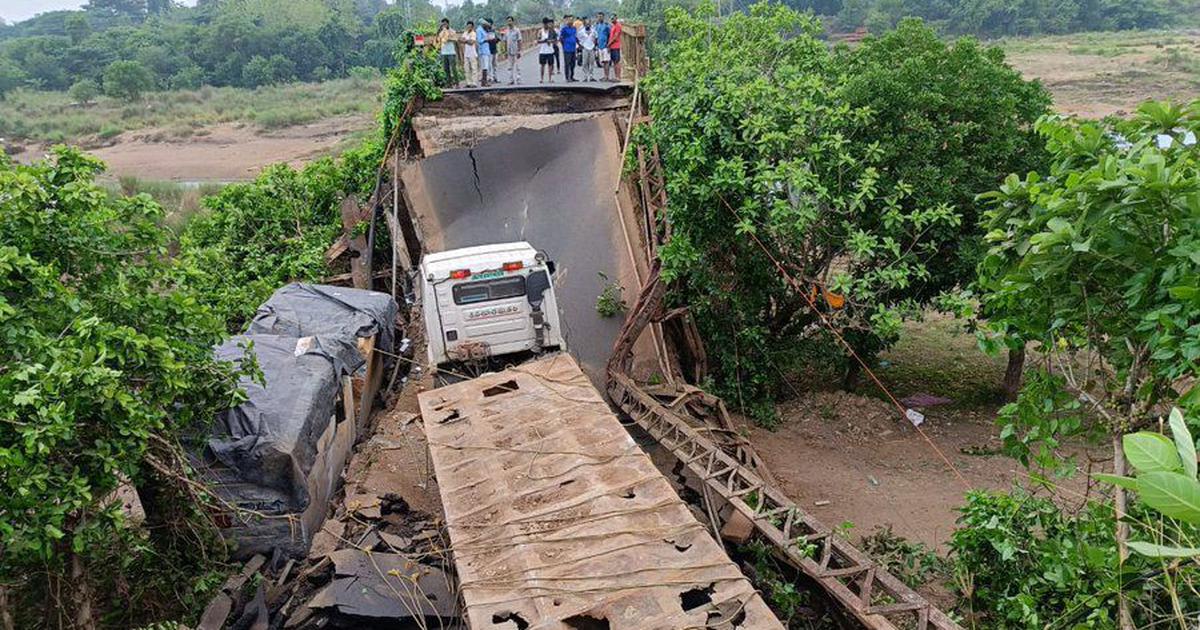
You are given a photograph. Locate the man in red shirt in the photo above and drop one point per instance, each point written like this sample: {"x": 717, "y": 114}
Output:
{"x": 614, "y": 48}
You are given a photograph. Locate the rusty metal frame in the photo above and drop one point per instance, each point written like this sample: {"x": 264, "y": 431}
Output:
{"x": 704, "y": 441}
{"x": 874, "y": 596}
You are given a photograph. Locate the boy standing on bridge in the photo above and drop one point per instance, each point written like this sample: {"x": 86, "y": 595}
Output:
{"x": 470, "y": 54}
{"x": 602, "y": 31}
{"x": 447, "y": 49}
{"x": 546, "y": 40}
{"x": 512, "y": 42}
{"x": 569, "y": 38}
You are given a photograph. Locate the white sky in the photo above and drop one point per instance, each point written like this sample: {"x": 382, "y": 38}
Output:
{"x": 17, "y": 10}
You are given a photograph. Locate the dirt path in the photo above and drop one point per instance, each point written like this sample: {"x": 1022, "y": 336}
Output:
{"x": 850, "y": 457}
{"x": 224, "y": 153}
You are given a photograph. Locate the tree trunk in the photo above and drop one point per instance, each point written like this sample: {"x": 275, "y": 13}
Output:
{"x": 6, "y": 617}
{"x": 853, "y": 376}
{"x": 1122, "y": 534}
{"x": 1013, "y": 373}
{"x": 83, "y": 596}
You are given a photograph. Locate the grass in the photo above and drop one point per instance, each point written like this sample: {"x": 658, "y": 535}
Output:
{"x": 1098, "y": 74}
{"x": 53, "y": 117}
{"x": 937, "y": 356}
{"x": 180, "y": 201}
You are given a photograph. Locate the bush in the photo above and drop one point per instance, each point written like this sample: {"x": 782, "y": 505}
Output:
{"x": 127, "y": 80}
{"x": 363, "y": 73}
{"x": 765, "y": 162}
{"x": 110, "y": 131}
{"x": 107, "y": 358}
{"x": 1023, "y": 563}
{"x": 84, "y": 91}
{"x": 189, "y": 78}
{"x": 11, "y": 77}
{"x": 261, "y": 71}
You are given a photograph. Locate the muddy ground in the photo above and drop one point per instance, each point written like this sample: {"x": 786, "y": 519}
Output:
{"x": 850, "y": 458}
{"x": 1102, "y": 74}
{"x": 220, "y": 153}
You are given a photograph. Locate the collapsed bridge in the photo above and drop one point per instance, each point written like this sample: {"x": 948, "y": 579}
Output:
{"x": 556, "y": 517}
{"x": 552, "y": 175}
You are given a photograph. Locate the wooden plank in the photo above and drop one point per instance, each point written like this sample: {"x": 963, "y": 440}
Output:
{"x": 555, "y": 513}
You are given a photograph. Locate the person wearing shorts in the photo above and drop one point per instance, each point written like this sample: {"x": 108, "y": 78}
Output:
{"x": 603, "y": 28}
{"x": 614, "y": 48}
{"x": 547, "y": 37}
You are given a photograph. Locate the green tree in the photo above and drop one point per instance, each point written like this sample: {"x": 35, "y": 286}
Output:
{"x": 84, "y": 91}
{"x": 106, "y": 359}
{"x": 1098, "y": 263}
{"x": 122, "y": 8}
{"x": 78, "y": 28}
{"x": 127, "y": 80}
{"x": 956, "y": 119}
{"x": 766, "y": 162}
{"x": 11, "y": 77}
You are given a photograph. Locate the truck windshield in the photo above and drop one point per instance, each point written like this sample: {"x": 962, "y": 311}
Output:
{"x": 488, "y": 290}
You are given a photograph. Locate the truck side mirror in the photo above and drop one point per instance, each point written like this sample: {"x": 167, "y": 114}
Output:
{"x": 551, "y": 266}
{"x": 536, "y": 285}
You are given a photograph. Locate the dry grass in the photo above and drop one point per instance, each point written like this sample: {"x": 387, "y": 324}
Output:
{"x": 1101, "y": 74}
{"x": 52, "y": 117}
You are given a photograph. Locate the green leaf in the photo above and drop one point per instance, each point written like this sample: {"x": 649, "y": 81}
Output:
{"x": 1183, "y": 443}
{"x": 1172, "y": 494}
{"x": 1129, "y": 483}
{"x": 1151, "y": 452}
{"x": 1160, "y": 551}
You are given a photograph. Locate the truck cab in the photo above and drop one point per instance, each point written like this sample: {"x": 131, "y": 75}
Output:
{"x": 489, "y": 301}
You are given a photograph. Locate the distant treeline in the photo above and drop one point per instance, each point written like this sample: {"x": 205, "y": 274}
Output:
{"x": 995, "y": 18}
{"x": 163, "y": 45}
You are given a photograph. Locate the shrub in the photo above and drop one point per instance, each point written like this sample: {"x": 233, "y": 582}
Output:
{"x": 107, "y": 358}
{"x": 127, "y": 80}
{"x": 1023, "y": 563}
{"x": 84, "y": 91}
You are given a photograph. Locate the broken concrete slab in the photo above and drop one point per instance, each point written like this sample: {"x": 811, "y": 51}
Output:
{"x": 386, "y": 586}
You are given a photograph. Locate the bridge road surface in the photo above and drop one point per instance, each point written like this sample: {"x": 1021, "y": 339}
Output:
{"x": 553, "y": 187}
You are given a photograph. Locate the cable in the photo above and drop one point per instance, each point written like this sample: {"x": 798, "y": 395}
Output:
{"x": 850, "y": 349}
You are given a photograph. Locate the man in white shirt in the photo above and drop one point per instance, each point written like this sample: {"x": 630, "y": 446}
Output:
{"x": 587, "y": 48}
{"x": 470, "y": 55}
{"x": 547, "y": 37}
{"x": 512, "y": 41}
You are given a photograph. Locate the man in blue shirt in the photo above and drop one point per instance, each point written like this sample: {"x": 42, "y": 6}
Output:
{"x": 486, "y": 69}
{"x": 567, "y": 36}
{"x": 602, "y": 28}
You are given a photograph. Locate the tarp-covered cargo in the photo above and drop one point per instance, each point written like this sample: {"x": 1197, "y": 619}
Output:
{"x": 280, "y": 452}
{"x": 271, "y": 438}
{"x": 302, "y": 310}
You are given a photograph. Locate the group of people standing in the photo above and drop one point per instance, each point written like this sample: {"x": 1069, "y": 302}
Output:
{"x": 579, "y": 42}
{"x": 576, "y": 42}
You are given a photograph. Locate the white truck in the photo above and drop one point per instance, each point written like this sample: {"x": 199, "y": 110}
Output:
{"x": 488, "y": 301}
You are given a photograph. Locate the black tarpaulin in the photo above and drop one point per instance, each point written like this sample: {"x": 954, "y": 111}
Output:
{"x": 301, "y": 310}
{"x": 270, "y": 440}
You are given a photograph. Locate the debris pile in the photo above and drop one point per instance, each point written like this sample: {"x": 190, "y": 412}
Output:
{"x": 391, "y": 571}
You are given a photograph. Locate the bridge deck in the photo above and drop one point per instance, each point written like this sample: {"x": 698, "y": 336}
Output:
{"x": 559, "y": 520}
